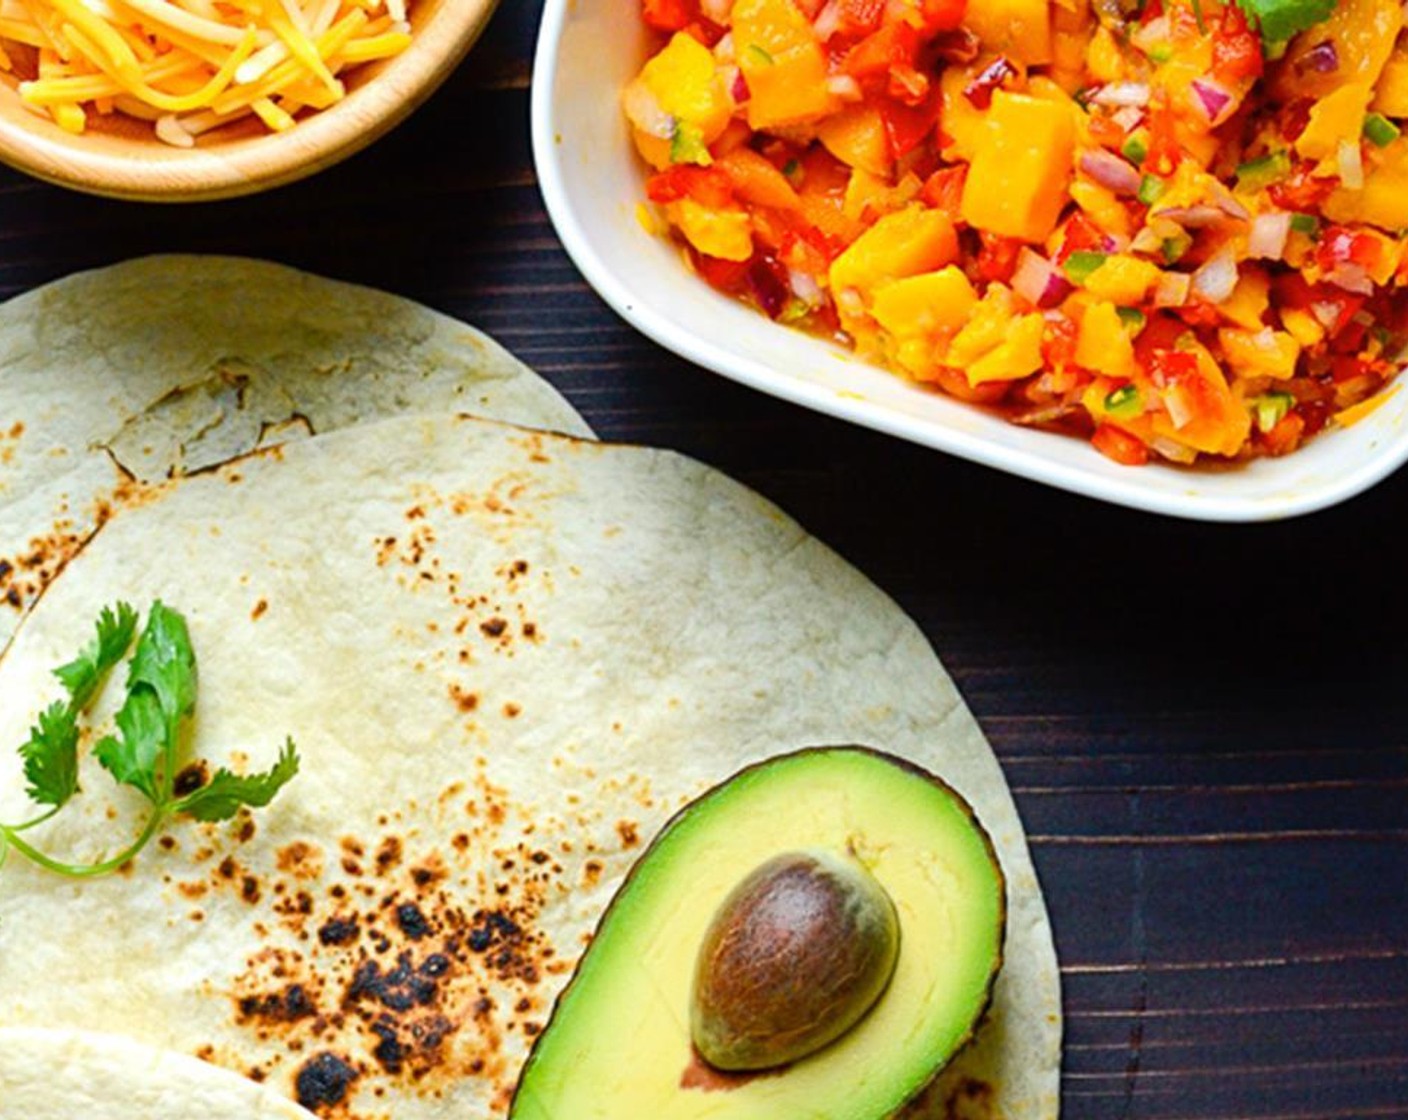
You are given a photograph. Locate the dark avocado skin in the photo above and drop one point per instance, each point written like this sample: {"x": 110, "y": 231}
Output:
{"x": 683, "y": 814}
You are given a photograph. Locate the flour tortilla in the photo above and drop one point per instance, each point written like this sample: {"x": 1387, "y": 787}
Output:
{"x": 170, "y": 364}
{"x": 84, "y": 1075}
{"x": 507, "y": 658}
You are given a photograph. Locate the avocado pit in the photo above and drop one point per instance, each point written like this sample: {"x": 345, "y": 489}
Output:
{"x": 796, "y": 955}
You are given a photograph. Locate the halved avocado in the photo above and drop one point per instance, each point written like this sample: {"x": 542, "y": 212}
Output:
{"x": 618, "y": 1045}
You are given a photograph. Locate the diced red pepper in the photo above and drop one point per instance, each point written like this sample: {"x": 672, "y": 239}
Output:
{"x": 895, "y": 44}
{"x": 943, "y": 190}
{"x": 1285, "y": 437}
{"x": 1339, "y": 245}
{"x": 670, "y": 15}
{"x": 726, "y": 276}
{"x": 908, "y": 126}
{"x": 942, "y": 15}
{"x": 1079, "y": 235}
{"x": 859, "y": 17}
{"x": 997, "y": 258}
{"x": 1236, "y": 49}
{"x": 980, "y": 90}
{"x": 954, "y": 382}
{"x": 1058, "y": 344}
{"x": 1120, "y": 446}
{"x": 705, "y": 185}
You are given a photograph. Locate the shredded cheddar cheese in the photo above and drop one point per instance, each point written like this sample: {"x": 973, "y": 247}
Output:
{"x": 190, "y": 66}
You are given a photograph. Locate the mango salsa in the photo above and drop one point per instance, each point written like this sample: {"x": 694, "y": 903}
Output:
{"x": 1177, "y": 230}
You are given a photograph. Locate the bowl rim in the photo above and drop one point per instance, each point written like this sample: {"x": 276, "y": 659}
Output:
{"x": 1118, "y": 490}
{"x": 156, "y": 172}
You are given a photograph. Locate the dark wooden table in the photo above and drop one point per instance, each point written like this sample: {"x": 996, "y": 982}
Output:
{"x": 1206, "y": 728}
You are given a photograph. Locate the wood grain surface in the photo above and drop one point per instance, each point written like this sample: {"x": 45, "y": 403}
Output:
{"x": 1206, "y": 728}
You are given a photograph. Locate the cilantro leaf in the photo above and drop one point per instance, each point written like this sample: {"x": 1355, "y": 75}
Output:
{"x": 51, "y": 756}
{"x": 1280, "y": 20}
{"x": 165, "y": 662}
{"x": 133, "y": 755}
{"x": 82, "y": 677}
{"x": 225, "y": 793}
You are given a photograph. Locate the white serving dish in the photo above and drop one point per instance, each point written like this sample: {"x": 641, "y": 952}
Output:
{"x": 593, "y": 183}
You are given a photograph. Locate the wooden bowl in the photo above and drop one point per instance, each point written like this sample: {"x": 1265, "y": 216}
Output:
{"x": 122, "y": 158}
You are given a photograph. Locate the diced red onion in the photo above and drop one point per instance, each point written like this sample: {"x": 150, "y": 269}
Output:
{"x": 1135, "y": 94}
{"x": 1322, "y": 58}
{"x": 1350, "y": 277}
{"x": 1351, "y": 161}
{"x": 1150, "y": 35}
{"x": 980, "y": 90}
{"x": 1172, "y": 450}
{"x": 1038, "y": 281}
{"x": 1326, "y": 314}
{"x": 1147, "y": 240}
{"x": 643, "y": 109}
{"x": 845, "y": 87}
{"x": 767, "y": 281}
{"x": 1192, "y": 217}
{"x": 1128, "y": 118}
{"x": 1109, "y": 170}
{"x": 738, "y": 89}
{"x": 826, "y": 22}
{"x": 1177, "y": 405}
{"x": 1268, "y": 235}
{"x": 1217, "y": 277}
{"x": 1216, "y": 103}
{"x": 1173, "y": 289}
{"x": 804, "y": 287}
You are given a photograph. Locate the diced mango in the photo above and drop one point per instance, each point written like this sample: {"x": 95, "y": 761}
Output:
{"x": 756, "y": 180}
{"x": 1105, "y": 59}
{"x": 655, "y": 150}
{"x": 1104, "y": 209}
{"x": 1391, "y": 96}
{"x": 857, "y": 136}
{"x": 1384, "y": 200}
{"x": 905, "y": 243}
{"x": 987, "y": 326}
{"x": 1103, "y": 344}
{"x": 685, "y": 82}
{"x": 1020, "y": 29}
{"x": 1016, "y": 185}
{"x": 1263, "y": 353}
{"x": 1335, "y": 117}
{"x": 726, "y": 234}
{"x": 783, "y": 63}
{"x": 964, "y": 125}
{"x": 1122, "y": 279}
{"x": 927, "y": 304}
{"x": 1017, "y": 355}
{"x": 1363, "y": 32}
{"x": 1302, "y": 326}
{"x": 1249, "y": 299}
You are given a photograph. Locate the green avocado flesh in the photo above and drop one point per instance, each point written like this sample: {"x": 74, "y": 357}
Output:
{"x": 618, "y": 1045}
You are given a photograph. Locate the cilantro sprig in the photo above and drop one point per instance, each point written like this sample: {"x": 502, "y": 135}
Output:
{"x": 1281, "y": 20}
{"x": 148, "y": 750}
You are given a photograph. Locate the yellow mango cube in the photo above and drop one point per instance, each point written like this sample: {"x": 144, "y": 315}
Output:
{"x": 1391, "y": 96}
{"x": 726, "y": 234}
{"x": 1384, "y": 200}
{"x": 926, "y": 304}
{"x": 1017, "y": 356}
{"x": 905, "y": 243}
{"x": 1363, "y": 32}
{"x": 856, "y": 136}
{"x": 1103, "y": 344}
{"x": 1122, "y": 280}
{"x": 783, "y": 63}
{"x": 1249, "y": 299}
{"x": 685, "y": 82}
{"x": 1016, "y": 184}
{"x": 985, "y": 329}
{"x": 1302, "y": 326}
{"x": 1263, "y": 353}
{"x": 1020, "y": 29}
{"x": 1337, "y": 116}
{"x": 964, "y": 125}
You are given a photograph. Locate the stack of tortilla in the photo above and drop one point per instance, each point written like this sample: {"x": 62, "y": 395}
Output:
{"x": 507, "y": 656}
